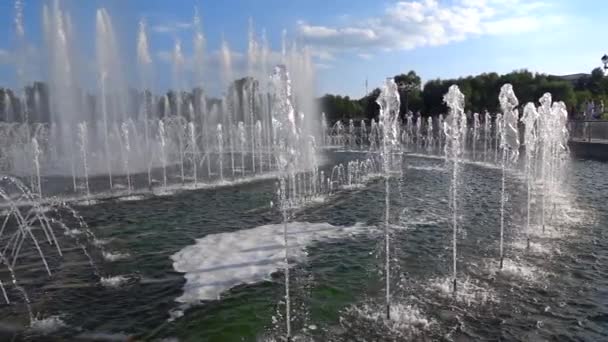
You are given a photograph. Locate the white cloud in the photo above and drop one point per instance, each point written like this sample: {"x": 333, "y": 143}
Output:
{"x": 366, "y": 56}
{"x": 408, "y": 25}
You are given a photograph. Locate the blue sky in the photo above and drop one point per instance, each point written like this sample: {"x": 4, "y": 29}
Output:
{"x": 349, "y": 40}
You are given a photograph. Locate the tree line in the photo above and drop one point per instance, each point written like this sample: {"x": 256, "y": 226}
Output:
{"x": 481, "y": 94}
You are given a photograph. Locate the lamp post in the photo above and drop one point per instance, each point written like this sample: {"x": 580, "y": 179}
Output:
{"x": 605, "y": 61}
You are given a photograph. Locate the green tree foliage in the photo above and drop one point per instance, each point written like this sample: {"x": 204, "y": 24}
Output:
{"x": 481, "y": 93}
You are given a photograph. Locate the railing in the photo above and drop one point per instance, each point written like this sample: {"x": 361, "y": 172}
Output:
{"x": 588, "y": 130}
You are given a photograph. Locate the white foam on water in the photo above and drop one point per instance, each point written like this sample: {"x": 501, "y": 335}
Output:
{"x": 114, "y": 281}
{"x": 86, "y": 202}
{"x": 427, "y": 168}
{"x": 164, "y": 192}
{"x": 467, "y": 292}
{"x": 406, "y": 321}
{"x": 410, "y": 219}
{"x": 218, "y": 262}
{"x": 101, "y": 242}
{"x": 520, "y": 269}
{"x": 109, "y": 256}
{"x": 47, "y": 325}
{"x": 354, "y": 186}
{"x": 73, "y": 232}
{"x": 130, "y": 198}
{"x": 101, "y": 336}
{"x": 535, "y": 247}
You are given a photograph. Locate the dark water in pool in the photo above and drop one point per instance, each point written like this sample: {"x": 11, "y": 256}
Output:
{"x": 555, "y": 291}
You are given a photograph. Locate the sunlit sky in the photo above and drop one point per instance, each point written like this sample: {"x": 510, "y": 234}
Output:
{"x": 351, "y": 41}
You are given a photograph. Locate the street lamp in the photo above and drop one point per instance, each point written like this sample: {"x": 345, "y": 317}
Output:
{"x": 605, "y": 61}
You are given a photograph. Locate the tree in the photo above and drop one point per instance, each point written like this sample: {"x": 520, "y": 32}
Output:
{"x": 409, "y": 91}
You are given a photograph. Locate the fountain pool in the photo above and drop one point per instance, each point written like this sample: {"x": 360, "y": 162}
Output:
{"x": 206, "y": 264}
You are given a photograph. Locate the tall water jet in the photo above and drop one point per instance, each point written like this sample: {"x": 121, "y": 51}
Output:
{"x": 455, "y": 128}
{"x": 324, "y": 129}
{"x": 419, "y": 132}
{"x": 529, "y": 119}
{"x": 162, "y": 137}
{"x": 286, "y": 149}
{"x": 487, "y": 127}
{"x": 199, "y": 49}
{"x": 228, "y": 112}
{"x": 362, "y": 133}
{"x": 242, "y": 143}
{"x": 497, "y": 134}
{"x": 429, "y": 133}
{"x": 250, "y": 87}
{"x": 83, "y": 138}
{"x": 124, "y": 130}
{"x": 509, "y": 143}
{"x": 144, "y": 62}
{"x": 476, "y": 126}
{"x": 193, "y": 150}
{"x": 389, "y": 104}
{"x": 545, "y": 131}
{"x": 178, "y": 62}
{"x": 220, "y": 151}
{"x": 114, "y": 91}
{"x": 258, "y": 130}
{"x": 104, "y": 112}
{"x": 351, "y": 134}
{"x": 62, "y": 87}
{"x": 36, "y": 153}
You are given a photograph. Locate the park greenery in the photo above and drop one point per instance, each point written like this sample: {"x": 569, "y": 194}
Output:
{"x": 481, "y": 93}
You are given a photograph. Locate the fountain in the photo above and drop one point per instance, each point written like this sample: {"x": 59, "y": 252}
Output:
{"x": 193, "y": 151}
{"x": 220, "y": 151}
{"x": 286, "y": 137}
{"x": 162, "y": 136}
{"x": 530, "y": 121}
{"x": 124, "y": 128}
{"x": 455, "y": 128}
{"x": 476, "y": 126}
{"x": 267, "y": 132}
{"x": 389, "y": 116}
{"x": 84, "y": 146}
{"x": 487, "y": 127}
{"x": 509, "y": 143}
{"x": 36, "y": 152}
